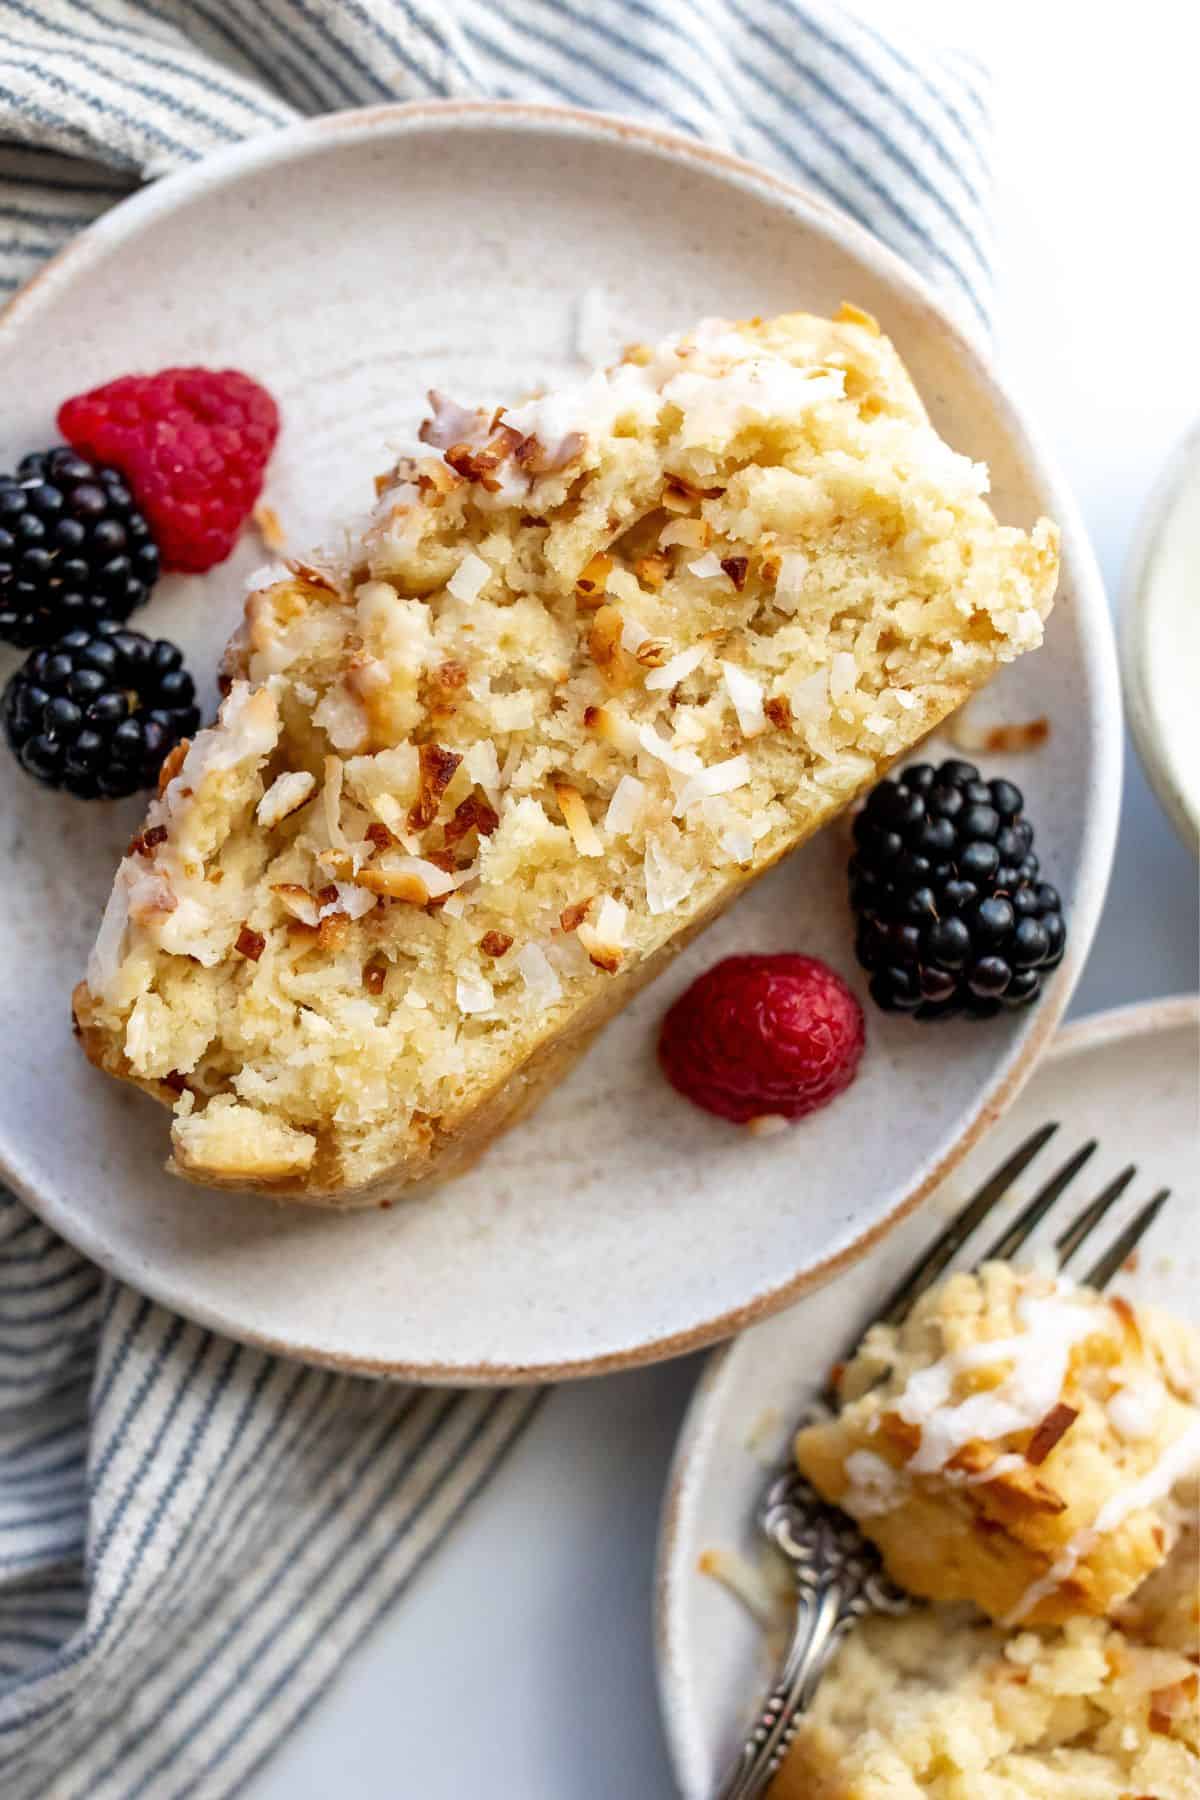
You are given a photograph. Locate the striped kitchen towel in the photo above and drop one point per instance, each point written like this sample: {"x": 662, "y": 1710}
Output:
{"x": 194, "y": 1535}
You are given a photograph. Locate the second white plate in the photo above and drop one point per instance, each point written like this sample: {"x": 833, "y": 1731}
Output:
{"x": 1127, "y": 1078}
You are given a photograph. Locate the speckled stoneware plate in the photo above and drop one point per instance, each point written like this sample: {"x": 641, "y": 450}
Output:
{"x": 1160, "y": 639}
{"x": 349, "y": 264}
{"x": 1127, "y": 1078}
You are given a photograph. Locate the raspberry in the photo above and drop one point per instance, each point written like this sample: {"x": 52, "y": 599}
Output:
{"x": 193, "y": 445}
{"x": 763, "y": 1035}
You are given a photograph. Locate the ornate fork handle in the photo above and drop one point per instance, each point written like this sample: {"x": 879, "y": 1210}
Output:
{"x": 838, "y": 1581}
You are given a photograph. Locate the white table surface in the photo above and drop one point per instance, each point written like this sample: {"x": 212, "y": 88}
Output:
{"x": 519, "y": 1664}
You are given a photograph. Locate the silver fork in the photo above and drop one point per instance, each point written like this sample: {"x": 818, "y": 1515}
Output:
{"x": 838, "y": 1575}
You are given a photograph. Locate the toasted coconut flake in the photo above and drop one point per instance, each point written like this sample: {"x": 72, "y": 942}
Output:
{"x": 747, "y": 697}
{"x": 571, "y": 917}
{"x": 607, "y": 650}
{"x": 652, "y": 653}
{"x": 331, "y": 800}
{"x": 767, "y": 1125}
{"x": 1057, "y": 1421}
{"x": 589, "y": 583}
{"x": 681, "y": 484}
{"x": 849, "y": 314}
{"x": 578, "y": 820}
{"x": 172, "y": 763}
{"x": 317, "y": 578}
{"x": 266, "y": 520}
{"x": 414, "y": 879}
{"x": 605, "y": 936}
{"x": 437, "y": 766}
{"x": 537, "y": 458}
{"x": 1177, "y": 1700}
{"x": 451, "y": 423}
{"x": 652, "y": 570}
{"x": 633, "y": 633}
{"x": 996, "y": 740}
{"x": 604, "y": 940}
{"x": 692, "y": 534}
{"x": 677, "y": 669}
{"x": 298, "y": 901}
{"x": 286, "y": 794}
{"x": 778, "y": 709}
{"x": 471, "y": 814}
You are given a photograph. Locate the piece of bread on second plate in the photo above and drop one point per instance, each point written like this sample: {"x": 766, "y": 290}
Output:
{"x": 594, "y": 663}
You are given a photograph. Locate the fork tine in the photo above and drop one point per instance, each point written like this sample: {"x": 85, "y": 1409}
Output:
{"x": 1082, "y": 1227}
{"x": 1031, "y": 1216}
{"x": 1102, "y": 1273}
{"x": 944, "y": 1248}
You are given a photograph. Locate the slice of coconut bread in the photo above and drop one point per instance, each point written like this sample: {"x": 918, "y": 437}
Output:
{"x": 595, "y": 663}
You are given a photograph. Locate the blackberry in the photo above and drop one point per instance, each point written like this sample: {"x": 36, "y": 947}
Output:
{"x": 98, "y": 711}
{"x": 74, "y": 548}
{"x": 952, "y": 914}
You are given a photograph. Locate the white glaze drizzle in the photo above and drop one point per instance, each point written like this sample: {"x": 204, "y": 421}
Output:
{"x": 1177, "y": 1460}
{"x": 1039, "y": 1356}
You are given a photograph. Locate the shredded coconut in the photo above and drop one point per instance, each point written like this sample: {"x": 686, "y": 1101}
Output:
{"x": 747, "y": 697}
{"x": 676, "y": 669}
{"x": 625, "y": 806}
{"x": 469, "y": 579}
{"x": 473, "y": 992}
{"x": 540, "y": 979}
{"x": 706, "y": 567}
{"x": 718, "y": 778}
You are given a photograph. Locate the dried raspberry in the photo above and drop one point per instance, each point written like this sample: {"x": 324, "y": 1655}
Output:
{"x": 762, "y": 1036}
{"x": 193, "y": 445}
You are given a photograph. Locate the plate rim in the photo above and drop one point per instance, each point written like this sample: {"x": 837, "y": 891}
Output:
{"x": 1118, "y": 1024}
{"x": 233, "y": 162}
{"x": 1137, "y": 584}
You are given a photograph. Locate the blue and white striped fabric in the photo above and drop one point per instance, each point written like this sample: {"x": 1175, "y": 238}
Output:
{"x": 194, "y": 1535}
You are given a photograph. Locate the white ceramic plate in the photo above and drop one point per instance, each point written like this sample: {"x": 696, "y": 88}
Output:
{"x": 1160, "y": 639}
{"x": 349, "y": 263}
{"x": 1127, "y": 1078}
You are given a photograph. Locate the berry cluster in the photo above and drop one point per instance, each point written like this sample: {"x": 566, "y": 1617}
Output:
{"x": 98, "y": 711}
{"x": 158, "y": 470}
{"x": 952, "y": 914}
{"x": 74, "y": 548}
